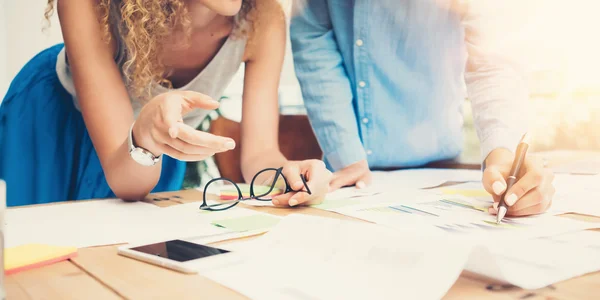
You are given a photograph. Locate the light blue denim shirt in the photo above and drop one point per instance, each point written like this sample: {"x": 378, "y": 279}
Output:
{"x": 385, "y": 79}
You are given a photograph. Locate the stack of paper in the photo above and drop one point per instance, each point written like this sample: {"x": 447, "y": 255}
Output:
{"x": 527, "y": 252}
{"x": 303, "y": 254}
{"x": 318, "y": 258}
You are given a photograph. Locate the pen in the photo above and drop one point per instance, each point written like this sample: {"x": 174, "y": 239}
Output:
{"x": 512, "y": 176}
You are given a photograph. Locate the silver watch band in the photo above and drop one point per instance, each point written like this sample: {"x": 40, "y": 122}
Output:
{"x": 139, "y": 154}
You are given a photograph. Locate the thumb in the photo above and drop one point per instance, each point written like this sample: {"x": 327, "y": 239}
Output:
{"x": 197, "y": 100}
{"x": 493, "y": 181}
{"x": 345, "y": 178}
{"x": 364, "y": 181}
{"x": 339, "y": 180}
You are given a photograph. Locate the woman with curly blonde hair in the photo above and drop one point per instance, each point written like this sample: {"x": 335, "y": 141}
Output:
{"x": 92, "y": 118}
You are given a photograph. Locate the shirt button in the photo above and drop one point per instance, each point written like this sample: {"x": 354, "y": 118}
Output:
{"x": 365, "y": 120}
{"x": 362, "y": 84}
{"x": 359, "y": 42}
{"x": 369, "y": 152}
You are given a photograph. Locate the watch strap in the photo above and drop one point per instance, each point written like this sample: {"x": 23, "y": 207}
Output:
{"x": 133, "y": 146}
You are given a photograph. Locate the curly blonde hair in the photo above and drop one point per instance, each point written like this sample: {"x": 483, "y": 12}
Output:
{"x": 144, "y": 25}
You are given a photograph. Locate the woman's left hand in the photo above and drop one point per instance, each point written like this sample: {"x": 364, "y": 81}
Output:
{"x": 317, "y": 178}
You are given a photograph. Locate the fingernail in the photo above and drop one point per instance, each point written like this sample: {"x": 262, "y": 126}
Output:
{"x": 230, "y": 145}
{"x": 511, "y": 199}
{"x": 298, "y": 185}
{"x": 498, "y": 188}
{"x": 293, "y": 202}
{"x": 492, "y": 211}
{"x": 275, "y": 202}
{"x": 495, "y": 205}
{"x": 173, "y": 132}
{"x": 360, "y": 185}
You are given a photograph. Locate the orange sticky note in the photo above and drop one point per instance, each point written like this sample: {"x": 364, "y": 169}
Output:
{"x": 30, "y": 256}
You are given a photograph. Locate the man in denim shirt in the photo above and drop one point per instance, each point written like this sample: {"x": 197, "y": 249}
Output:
{"x": 383, "y": 82}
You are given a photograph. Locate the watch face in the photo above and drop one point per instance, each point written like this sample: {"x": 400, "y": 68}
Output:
{"x": 142, "y": 157}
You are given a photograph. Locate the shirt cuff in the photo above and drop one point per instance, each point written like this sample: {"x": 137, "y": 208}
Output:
{"x": 499, "y": 138}
{"x": 350, "y": 153}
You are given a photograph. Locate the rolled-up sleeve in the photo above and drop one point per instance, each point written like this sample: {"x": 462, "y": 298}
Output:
{"x": 495, "y": 77}
{"x": 326, "y": 88}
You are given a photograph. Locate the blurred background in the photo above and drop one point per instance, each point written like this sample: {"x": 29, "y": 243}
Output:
{"x": 557, "y": 40}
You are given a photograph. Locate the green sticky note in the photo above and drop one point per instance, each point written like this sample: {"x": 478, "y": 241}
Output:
{"x": 248, "y": 223}
{"x": 336, "y": 204}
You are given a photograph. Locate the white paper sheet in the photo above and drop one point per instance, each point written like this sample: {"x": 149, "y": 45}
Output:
{"x": 80, "y": 224}
{"x": 422, "y": 178}
{"x": 107, "y": 222}
{"x": 582, "y": 167}
{"x": 308, "y": 257}
{"x": 537, "y": 263}
{"x": 352, "y": 197}
{"x": 461, "y": 216}
{"x": 352, "y": 192}
{"x": 577, "y": 194}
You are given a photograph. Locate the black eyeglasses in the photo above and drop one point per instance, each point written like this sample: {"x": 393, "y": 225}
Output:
{"x": 266, "y": 183}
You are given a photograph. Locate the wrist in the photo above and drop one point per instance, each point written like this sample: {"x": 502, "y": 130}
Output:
{"x": 140, "y": 139}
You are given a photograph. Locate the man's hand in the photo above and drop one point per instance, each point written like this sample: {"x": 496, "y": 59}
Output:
{"x": 357, "y": 174}
{"x": 532, "y": 194}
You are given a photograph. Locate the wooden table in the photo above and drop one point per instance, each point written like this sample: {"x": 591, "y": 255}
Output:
{"x": 100, "y": 273}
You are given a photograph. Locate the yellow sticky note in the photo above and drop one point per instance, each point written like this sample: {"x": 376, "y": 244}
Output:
{"x": 32, "y": 256}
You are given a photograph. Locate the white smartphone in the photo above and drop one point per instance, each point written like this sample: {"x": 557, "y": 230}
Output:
{"x": 174, "y": 254}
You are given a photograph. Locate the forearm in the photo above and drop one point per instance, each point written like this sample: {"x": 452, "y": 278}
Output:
{"x": 254, "y": 163}
{"x": 128, "y": 179}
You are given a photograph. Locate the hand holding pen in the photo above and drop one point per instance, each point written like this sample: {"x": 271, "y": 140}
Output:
{"x": 519, "y": 184}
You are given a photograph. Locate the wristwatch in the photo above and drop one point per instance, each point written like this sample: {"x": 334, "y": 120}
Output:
{"x": 139, "y": 154}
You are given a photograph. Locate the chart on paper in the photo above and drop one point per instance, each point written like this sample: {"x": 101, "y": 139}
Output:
{"x": 463, "y": 217}
{"x": 488, "y": 226}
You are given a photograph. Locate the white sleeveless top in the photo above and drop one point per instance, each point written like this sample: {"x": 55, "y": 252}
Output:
{"x": 211, "y": 81}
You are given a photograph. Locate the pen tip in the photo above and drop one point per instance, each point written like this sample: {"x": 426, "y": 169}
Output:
{"x": 501, "y": 214}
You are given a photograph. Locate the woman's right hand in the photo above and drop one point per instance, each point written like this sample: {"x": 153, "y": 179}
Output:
{"x": 160, "y": 129}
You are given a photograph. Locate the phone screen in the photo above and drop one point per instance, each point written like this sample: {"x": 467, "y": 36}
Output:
{"x": 179, "y": 250}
